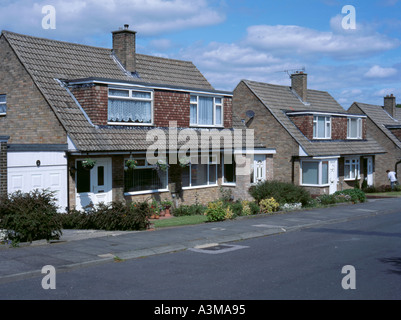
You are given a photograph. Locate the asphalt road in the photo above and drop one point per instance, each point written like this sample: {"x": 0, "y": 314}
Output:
{"x": 302, "y": 265}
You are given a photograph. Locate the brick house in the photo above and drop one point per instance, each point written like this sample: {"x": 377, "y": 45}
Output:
{"x": 62, "y": 103}
{"x": 384, "y": 125}
{"x": 318, "y": 144}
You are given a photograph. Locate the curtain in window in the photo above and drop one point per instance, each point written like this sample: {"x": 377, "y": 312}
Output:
{"x": 129, "y": 111}
{"x": 193, "y": 118}
{"x": 321, "y": 125}
{"x": 205, "y": 106}
{"x": 310, "y": 172}
{"x": 218, "y": 115}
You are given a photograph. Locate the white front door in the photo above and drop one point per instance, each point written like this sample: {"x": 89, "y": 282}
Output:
{"x": 93, "y": 186}
{"x": 333, "y": 175}
{"x": 369, "y": 170}
{"x": 259, "y": 168}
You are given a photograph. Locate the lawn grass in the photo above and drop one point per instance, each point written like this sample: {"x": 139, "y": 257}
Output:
{"x": 385, "y": 194}
{"x": 180, "y": 221}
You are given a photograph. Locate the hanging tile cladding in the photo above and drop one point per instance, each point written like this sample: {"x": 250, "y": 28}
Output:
{"x": 171, "y": 106}
{"x": 94, "y": 101}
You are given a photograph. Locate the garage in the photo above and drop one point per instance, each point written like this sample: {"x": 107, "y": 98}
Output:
{"x": 27, "y": 171}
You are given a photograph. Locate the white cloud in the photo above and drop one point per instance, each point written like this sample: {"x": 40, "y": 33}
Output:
{"x": 379, "y": 72}
{"x": 338, "y": 44}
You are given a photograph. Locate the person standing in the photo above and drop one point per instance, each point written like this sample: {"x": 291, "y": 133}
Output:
{"x": 392, "y": 177}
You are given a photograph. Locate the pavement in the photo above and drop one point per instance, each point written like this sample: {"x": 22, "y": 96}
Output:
{"x": 84, "y": 248}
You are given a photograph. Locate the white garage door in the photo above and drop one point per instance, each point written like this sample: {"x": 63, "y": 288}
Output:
{"x": 24, "y": 174}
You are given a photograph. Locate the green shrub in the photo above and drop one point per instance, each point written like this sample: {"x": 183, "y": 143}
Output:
{"x": 356, "y": 195}
{"x": 110, "y": 217}
{"x": 269, "y": 205}
{"x": 327, "y": 199}
{"x": 185, "y": 210}
{"x": 216, "y": 212}
{"x": 30, "y": 216}
{"x": 282, "y": 192}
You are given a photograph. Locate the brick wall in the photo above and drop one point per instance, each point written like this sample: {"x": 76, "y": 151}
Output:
{"x": 29, "y": 118}
{"x": 305, "y": 124}
{"x": 397, "y": 133}
{"x": 94, "y": 100}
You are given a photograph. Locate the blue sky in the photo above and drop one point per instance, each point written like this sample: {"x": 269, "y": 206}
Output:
{"x": 230, "y": 40}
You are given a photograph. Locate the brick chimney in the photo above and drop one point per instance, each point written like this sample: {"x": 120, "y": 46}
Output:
{"x": 390, "y": 104}
{"x": 299, "y": 83}
{"x": 124, "y": 47}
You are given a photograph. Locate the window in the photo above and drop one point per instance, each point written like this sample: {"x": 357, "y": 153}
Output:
{"x": 229, "y": 171}
{"x": 144, "y": 177}
{"x": 354, "y": 130}
{"x": 206, "y": 111}
{"x": 321, "y": 127}
{"x": 130, "y": 106}
{"x": 315, "y": 172}
{"x": 200, "y": 174}
{"x": 83, "y": 179}
{"x": 351, "y": 169}
{"x": 3, "y": 104}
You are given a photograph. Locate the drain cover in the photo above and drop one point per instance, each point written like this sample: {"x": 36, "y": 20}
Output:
{"x": 217, "y": 248}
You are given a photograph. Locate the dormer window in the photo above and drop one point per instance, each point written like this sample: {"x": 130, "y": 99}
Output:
{"x": 321, "y": 127}
{"x": 354, "y": 129}
{"x": 3, "y": 105}
{"x": 126, "y": 106}
{"x": 206, "y": 111}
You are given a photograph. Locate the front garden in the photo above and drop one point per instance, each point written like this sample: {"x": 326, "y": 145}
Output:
{"x": 25, "y": 217}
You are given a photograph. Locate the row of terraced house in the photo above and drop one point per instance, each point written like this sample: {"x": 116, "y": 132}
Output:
{"x": 63, "y": 103}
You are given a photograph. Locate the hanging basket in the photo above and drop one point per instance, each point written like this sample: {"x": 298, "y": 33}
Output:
{"x": 88, "y": 163}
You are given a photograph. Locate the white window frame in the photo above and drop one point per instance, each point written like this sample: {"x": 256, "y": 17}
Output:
{"x": 359, "y": 125}
{"x": 3, "y": 104}
{"x": 130, "y": 97}
{"x": 215, "y": 105}
{"x": 212, "y": 160}
{"x": 357, "y": 172}
{"x": 327, "y": 123}
{"x": 320, "y": 174}
{"x": 146, "y": 166}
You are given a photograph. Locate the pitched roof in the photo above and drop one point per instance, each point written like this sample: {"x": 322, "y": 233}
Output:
{"x": 278, "y": 99}
{"x": 48, "y": 61}
{"x": 382, "y": 119}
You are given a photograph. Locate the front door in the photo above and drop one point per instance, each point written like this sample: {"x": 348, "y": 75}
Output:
{"x": 259, "y": 168}
{"x": 333, "y": 175}
{"x": 95, "y": 185}
{"x": 369, "y": 170}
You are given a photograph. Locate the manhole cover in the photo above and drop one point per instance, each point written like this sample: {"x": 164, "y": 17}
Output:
{"x": 217, "y": 249}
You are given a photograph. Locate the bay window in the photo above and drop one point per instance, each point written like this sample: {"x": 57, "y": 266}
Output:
{"x": 315, "y": 172}
{"x": 130, "y": 106}
{"x": 321, "y": 127}
{"x": 206, "y": 111}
